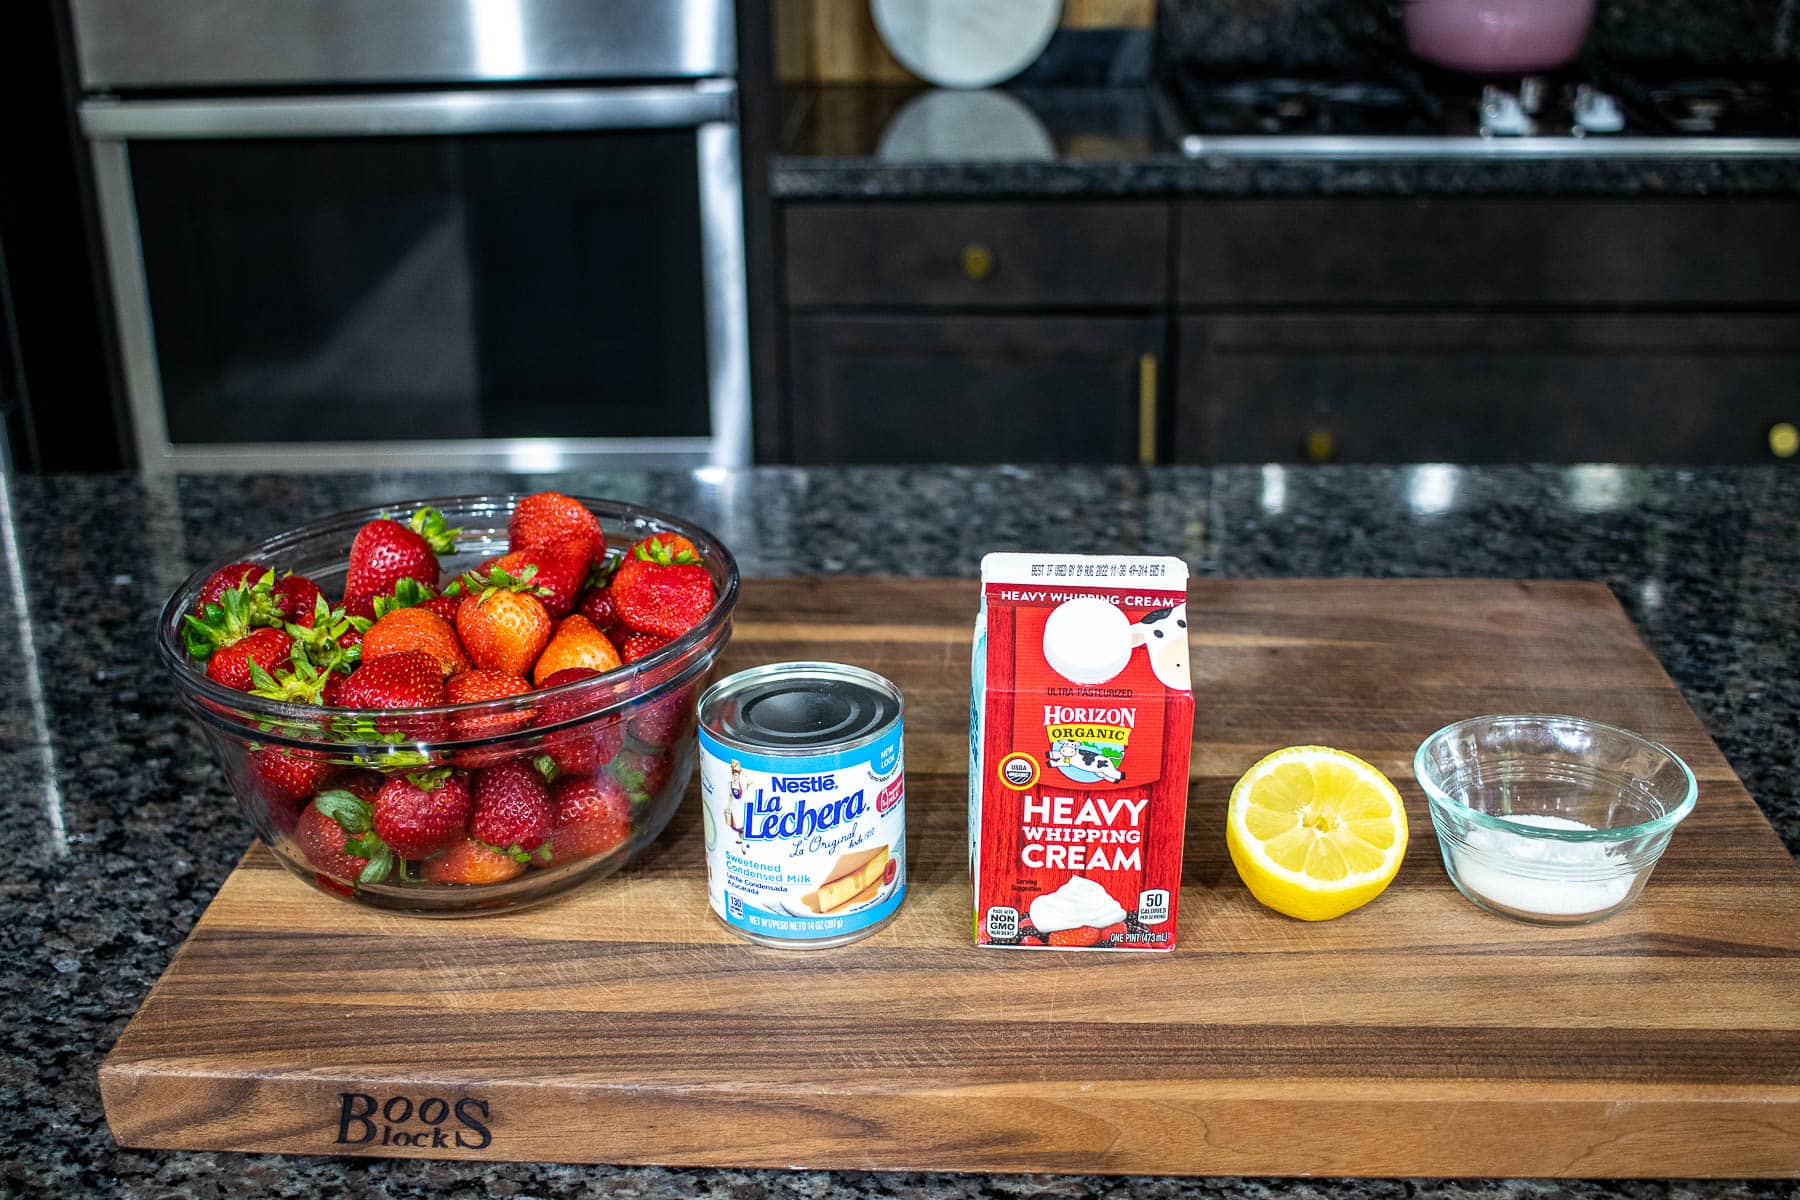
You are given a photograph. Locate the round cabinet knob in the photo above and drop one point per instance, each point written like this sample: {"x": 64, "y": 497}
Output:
{"x": 1784, "y": 439}
{"x": 977, "y": 262}
{"x": 1321, "y": 446}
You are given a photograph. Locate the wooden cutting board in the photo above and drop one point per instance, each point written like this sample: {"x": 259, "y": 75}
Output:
{"x": 1417, "y": 1036}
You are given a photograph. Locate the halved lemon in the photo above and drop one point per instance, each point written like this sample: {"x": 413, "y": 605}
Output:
{"x": 1315, "y": 832}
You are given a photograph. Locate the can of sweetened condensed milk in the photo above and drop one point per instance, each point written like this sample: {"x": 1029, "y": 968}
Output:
{"x": 803, "y": 798}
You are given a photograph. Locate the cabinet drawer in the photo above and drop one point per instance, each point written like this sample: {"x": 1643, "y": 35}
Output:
{"x": 1485, "y": 389}
{"x": 973, "y": 389}
{"x": 1073, "y": 255}
{"x": 1489, "y": 252}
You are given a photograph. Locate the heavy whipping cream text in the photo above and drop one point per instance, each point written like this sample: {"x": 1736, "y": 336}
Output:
{"x": 1080, "y": 716}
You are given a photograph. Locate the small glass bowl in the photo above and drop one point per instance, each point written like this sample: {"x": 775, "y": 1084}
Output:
{"x": 1549, "y": 819}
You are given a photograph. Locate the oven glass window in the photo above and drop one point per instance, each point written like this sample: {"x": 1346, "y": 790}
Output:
{"x": 385, "y": 289}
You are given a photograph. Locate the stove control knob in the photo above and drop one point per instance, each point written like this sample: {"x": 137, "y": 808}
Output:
{"x": 1503, "y": 116}
{"x": 1596, "y": 112}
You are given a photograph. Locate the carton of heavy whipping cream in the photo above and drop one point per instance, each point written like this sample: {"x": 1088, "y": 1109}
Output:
{"x": 1080, "y": 716}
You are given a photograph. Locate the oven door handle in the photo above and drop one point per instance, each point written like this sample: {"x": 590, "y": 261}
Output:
{"x": 416, "y": 114}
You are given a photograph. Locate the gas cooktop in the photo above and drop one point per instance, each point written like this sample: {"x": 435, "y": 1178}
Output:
{"x": 1405, "y": 112}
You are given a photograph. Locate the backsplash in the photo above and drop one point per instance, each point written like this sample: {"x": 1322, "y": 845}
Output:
{"x": 1315, "y": 34}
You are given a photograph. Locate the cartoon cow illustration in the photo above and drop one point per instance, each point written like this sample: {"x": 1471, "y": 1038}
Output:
{"x": 1083, "y": 763}
{"x": 1163, "y": 634}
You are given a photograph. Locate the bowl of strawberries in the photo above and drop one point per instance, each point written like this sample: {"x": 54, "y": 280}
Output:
{"x": 460, "y": 705}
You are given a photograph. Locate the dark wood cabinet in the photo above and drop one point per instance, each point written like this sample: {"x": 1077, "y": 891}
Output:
{"x": 1358, "y": 329}
{"x": 1484, "y": 388}
{"x": 1516, "y": 252}
{"x": 973, "y": 389}
{"x": 1047, "y": 255}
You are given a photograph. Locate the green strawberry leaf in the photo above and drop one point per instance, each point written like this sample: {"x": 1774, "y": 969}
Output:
{"x": 380, "y": 866}
{"x": 546, "y": 766}
{"x": 408, "y": 593}
{"x": 366, "y": 845}
{"x": 428, "y": 523}
{"x": 515, "y": 852}
{"x": 601, "y": 573}
{"x": 349, "y": 810}
{"x": 429, "y": 781}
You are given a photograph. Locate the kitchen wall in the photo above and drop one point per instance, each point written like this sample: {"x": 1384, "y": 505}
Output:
{"x": 834, "y": 41}
{"x": 1302, "y": 34}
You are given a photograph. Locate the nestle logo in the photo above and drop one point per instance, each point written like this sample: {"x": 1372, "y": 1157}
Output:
{"x": 400, "y": 1121}
{"x": 804, "y": 783}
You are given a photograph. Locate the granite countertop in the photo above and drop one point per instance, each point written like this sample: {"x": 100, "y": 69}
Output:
{"x": 850, "y": 143}
{"x": 121, "y": 827}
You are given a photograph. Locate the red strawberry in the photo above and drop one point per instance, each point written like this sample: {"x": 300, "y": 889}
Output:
{"x": 298, "y": 599}
{"x": 384, "y": 552}
{"x": 1081, "y": 935}
{"x": 236, "y": 575}
{"x": 337, "y": 832}
{"x": 575, "y": 643}
{"x": 471, "y": 687}
{"x": 415, "y": 629}
{"x": 471, "y": 862}
{"x": 592, "y": 816}
{"x": 1107, "y": 935}
{"x": 660, "y": 591}
{"x": 410, "y": 593}
{"x": 364, "y": 785}
{"x": 550, "y": 518}
{"x": 290, "y": 774}
{"x": 230, "y": 617}
{"x": 641, "y": 645}
{"x": 582, "y": 748}
{"x": 562, "y": 569}
{"x": 664, "y": 721}
{"x": 643, "y": 772}
{"x": 420, "y": 814}
{"x": 659, "y": 549}
{"x": 502, "y": 622}
{"x": 512, "y": 808}
{"x": 409, "y": 679}
{"x": 263, "y": 647}
{"x": 597, "y": 606}
{"x": 325, "y": 844}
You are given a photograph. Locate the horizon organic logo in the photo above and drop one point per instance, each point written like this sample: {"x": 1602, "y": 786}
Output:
{"x": 364, "y": 1120}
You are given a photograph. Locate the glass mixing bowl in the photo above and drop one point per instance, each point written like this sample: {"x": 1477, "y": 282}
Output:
{"x": 1549, "y": 819}
{"x": 635, "y": 722}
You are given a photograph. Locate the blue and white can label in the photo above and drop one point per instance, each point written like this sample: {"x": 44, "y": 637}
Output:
{"x": 803, "y": 848}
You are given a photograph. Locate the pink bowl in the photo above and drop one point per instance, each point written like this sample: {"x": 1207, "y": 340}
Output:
{"x": 1491, "y": 36}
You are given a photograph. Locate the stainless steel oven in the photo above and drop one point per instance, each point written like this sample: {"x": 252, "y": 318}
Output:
{"x": 368, "y": 233}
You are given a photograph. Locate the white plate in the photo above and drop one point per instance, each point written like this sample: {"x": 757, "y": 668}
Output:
{"x": 966, "y": 43}
{"x": 964, "y": 127}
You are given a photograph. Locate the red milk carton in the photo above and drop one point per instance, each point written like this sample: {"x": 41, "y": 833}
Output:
{"x": 1080, "y": 717}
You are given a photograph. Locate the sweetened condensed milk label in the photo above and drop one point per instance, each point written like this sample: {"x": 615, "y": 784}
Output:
{"x": 1080, "y": 719}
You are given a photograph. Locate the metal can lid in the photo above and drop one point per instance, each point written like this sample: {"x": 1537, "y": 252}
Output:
{"x": 800, "y": 708}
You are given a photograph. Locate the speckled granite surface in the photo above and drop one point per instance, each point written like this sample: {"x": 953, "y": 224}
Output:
{"x": 1121, "y": 142}
{"x": 120, "y": 829}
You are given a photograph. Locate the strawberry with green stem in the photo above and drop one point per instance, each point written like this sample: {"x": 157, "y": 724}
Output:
{"x": 512, "y": 809}
{"x": 410, "y": 593}
{"x": 662, "y": 588}
{"x": 502, "y": 620}
{"x": 420, "y": 814}
{"x": 385, "y": 551}
{"x": 332, "y": 833}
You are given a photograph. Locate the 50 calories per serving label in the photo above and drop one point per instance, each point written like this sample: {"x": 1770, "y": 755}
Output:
{"x": 804, "y": 846}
